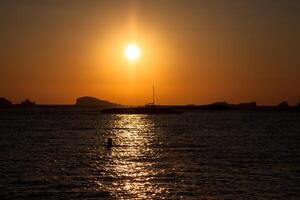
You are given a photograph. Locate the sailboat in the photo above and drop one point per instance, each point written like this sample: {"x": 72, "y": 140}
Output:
{"x": 149, "y": 108}
{"x": 152, "y": 104}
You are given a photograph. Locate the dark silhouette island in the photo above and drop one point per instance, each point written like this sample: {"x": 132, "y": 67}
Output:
{"x": 4, "y": 103}
{"x": 219, "y": 105}
{"x": 94, "y": 102}
{"x": 27, "y": 103}
{"x": 283, "y": 104}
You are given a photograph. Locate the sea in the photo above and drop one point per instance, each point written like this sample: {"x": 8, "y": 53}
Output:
{"x": 61, "y": 153}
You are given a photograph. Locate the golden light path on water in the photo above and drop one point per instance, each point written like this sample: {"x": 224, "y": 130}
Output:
{"x": 131, "y": 165}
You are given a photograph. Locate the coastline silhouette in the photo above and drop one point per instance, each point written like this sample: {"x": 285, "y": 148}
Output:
{"x": 110, "y": 107}
{"x": 4, "y": 103}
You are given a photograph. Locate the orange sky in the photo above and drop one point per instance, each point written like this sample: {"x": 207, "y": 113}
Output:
{"x": 198, "y": 52}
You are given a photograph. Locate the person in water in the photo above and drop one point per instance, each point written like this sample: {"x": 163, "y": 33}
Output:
{"x": 109, "y": 143}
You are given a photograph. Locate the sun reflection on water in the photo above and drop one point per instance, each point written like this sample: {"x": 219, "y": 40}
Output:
{"x": 131, "y": 163}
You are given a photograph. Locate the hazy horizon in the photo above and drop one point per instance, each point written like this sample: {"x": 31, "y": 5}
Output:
{"x": 195, "y": 52}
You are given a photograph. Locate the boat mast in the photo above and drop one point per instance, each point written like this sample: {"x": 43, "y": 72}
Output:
{"x": 153, "y": 101}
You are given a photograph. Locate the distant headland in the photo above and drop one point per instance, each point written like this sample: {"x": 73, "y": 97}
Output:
{"x": 5, "y": 103}
{"x": 93, "y": 102}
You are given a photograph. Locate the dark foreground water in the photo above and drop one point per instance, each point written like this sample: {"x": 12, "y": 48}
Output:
{"x": 60, "y": 154}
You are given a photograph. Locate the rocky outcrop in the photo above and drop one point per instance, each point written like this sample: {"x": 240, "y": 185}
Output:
{"x": 283, "y": 104}
{"x": 219, "y": 105}
{"x": 94, "y": 102}
{"x": 27, "y": 103}
{"x": 4, "y": 103}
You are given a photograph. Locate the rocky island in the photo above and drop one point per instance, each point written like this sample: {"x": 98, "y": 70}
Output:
{"x": 4, "y": 103}
{"x": 94, "y": 102}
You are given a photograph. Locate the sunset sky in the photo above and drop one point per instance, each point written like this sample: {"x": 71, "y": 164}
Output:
{"x": 195, "y": 52}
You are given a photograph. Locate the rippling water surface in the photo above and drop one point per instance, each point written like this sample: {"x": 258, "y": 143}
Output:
{"x": 60, "y": 153}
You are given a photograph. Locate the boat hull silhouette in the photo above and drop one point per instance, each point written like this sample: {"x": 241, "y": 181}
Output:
{"x": 141, "y": 110}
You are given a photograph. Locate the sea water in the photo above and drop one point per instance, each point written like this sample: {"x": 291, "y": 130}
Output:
{"x": 61, "y": 153}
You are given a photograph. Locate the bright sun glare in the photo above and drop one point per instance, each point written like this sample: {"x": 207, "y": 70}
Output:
{"x": 132, "y": 52}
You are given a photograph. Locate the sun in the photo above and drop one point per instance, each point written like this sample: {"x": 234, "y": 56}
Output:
{"x": 132, "y": 52}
